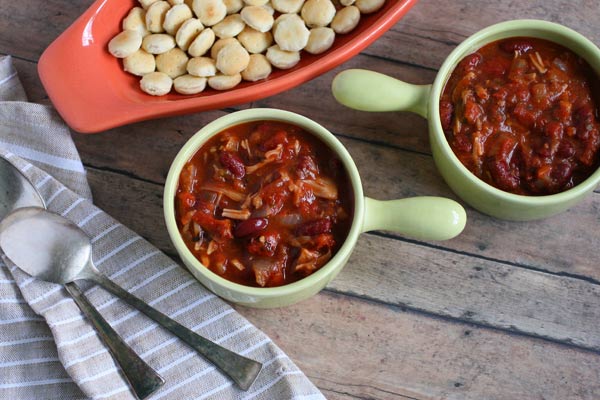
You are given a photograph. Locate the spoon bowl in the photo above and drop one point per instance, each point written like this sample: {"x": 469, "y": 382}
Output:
{"x": 58, "y": 261}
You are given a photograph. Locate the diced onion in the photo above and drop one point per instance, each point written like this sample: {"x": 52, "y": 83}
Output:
{"x": 236, "y": 214}
{"x": 323, "y": 187}
{"x": 250, "y": 169}
{"x": 212, "y": 246}
{"x": 230, "y": 193}
{"x": 290, "y": 219}
{"x": 238, "y": 264}
{"x": 262, "y": 268}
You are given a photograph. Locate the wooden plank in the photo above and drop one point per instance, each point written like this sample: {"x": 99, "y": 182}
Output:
{"x": 431, "y": 30}
{"x": 144, "y": 150}
{"x": 560, "y": 244}
{"x": 557, "y": 244}
{"x": 28, "y": 27}
{"x": 356, "y": 349}
{"x": 430, "y": 279}
{"x": 134, "y": 203}
{"x": 554, "y": 244}
{"x": 467, "y": 288}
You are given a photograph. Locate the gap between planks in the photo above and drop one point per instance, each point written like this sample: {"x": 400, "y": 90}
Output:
{"x": 410, "y": 286}
{"x": 471, "y": 290}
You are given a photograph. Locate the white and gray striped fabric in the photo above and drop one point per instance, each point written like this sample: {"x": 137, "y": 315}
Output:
{"x": 47, "y": 348}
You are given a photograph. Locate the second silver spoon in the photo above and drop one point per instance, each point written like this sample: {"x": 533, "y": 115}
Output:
{"x": 16, "y": 191}
{"x": 50, "y": 247}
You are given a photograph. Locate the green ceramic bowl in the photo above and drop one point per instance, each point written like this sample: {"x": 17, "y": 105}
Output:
{"x": 371, "y": 91}
{"x": 429, "y": 218}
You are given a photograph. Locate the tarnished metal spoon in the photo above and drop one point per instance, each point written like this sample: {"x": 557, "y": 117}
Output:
{"x": 17, "y": 192}
{"x": 51, "y": 247}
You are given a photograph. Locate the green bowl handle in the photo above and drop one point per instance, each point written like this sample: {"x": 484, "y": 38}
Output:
{"x": 427, "y": 218}
{"x": 371, "y": 91}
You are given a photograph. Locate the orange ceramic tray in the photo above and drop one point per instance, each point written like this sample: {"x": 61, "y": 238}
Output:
{"x": 92, "y": 93}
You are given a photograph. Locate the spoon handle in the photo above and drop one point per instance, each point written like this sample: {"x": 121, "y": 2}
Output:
{"x": 243, "y": 371}
{"x": 141, "y": 377}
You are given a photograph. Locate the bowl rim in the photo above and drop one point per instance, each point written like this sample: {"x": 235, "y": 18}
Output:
{"x": 551, "y": 31}
{"x": 313, "y": 280}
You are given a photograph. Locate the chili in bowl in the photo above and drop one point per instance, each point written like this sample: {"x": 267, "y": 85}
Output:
{"x": 513, "y": 121}
{"x": 265, "y": 206}
{"x": 520, "y": 114}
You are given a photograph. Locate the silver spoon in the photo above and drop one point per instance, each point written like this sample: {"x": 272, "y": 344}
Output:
{"x": 50, "y": 247}
{"x": 16, "y": 191}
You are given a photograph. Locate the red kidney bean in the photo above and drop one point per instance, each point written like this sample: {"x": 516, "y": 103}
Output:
{"x": 520, "y": 45}
{"x": 543, "y": 149}
{"x": 307, "y": 168}
{"x": 470, "y": 62}
{"x": 504, "y": 177}
{"x": 562, "y": 173}
{"x": 279, "y": 137}
{"x": 446, "y": 111}
{"x": 250, "y": 227}
{"x": 462, "y": 143}
{"x": 316, "y": 227}
{"x": 496, "y": 67}
{"x": 584, "y": 114}
{"x": 565, "y": 149}
{"x": 264, "y": 245}
{"x": 526, "y": 115}
{"x": 233, "y": 163}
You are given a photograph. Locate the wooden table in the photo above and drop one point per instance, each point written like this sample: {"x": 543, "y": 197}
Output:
{"x": 505, "y": 311}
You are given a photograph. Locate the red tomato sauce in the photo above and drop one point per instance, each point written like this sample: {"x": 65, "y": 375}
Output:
{"x": 520, "y": 114}
{"x": 264, "y": 204}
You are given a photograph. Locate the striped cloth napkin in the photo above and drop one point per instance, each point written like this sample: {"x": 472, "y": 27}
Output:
{"x": 48, "y": 350}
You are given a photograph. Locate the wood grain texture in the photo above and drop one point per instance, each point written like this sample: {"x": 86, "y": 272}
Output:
{"x": 475, "y": 290}
{"x": 556, "y": 244}
{"x": 431, "y": 279}
{"x": 353, "y": 343}
{"x": 29, "y": 26}
{"x": 505, "y": 311}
